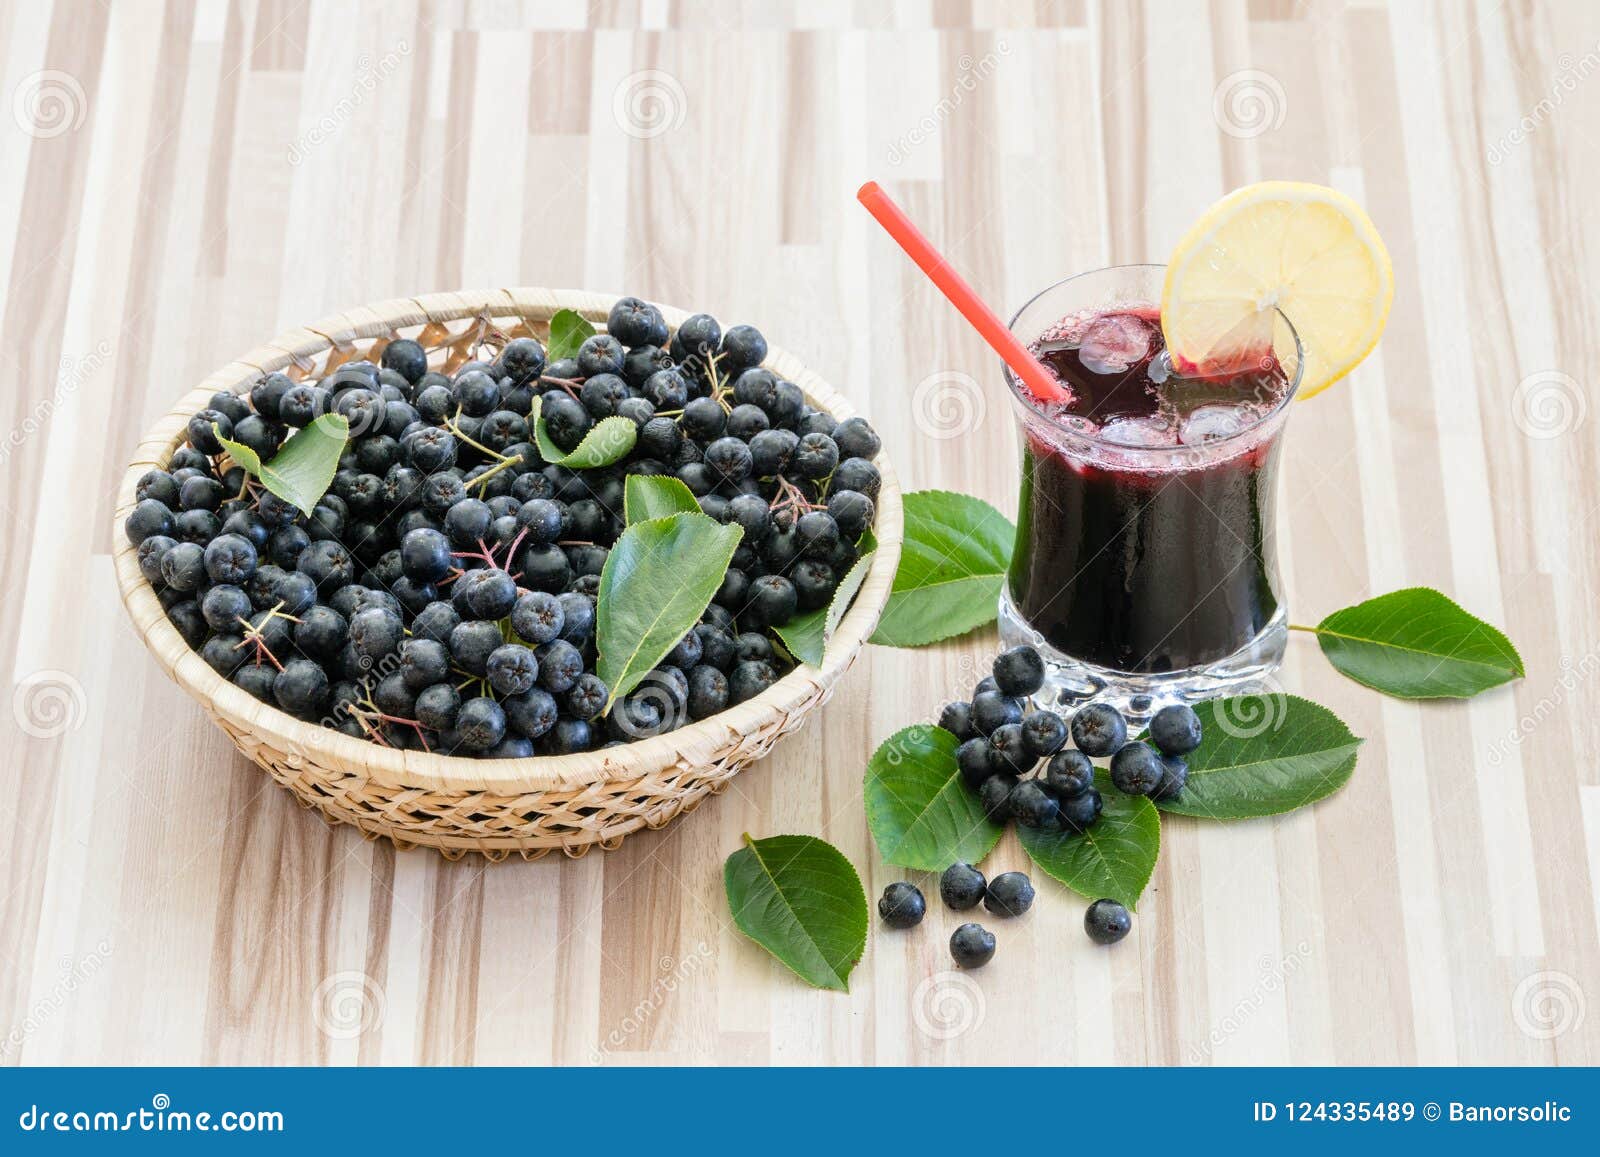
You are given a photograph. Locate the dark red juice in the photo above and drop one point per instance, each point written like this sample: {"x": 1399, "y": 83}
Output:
{"x": 1144, "y": 534}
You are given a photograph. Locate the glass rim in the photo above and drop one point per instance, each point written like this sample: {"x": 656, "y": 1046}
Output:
{"x": 1025, "y": 398}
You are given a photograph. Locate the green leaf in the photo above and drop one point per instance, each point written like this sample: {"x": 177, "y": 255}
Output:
{"x": 608, "y": 440}
{"x": 801, "y": 900}
{"x": 952, "y": 563}
{"x": 303, "y": 468}
{"x": 647, "y": 496}
{"x": 806, "y": 636}
{"x": 1113, "y": 859}
{"x": 568, "y": 331}
{"x": 658, "y": 578}
{"x": 921, "y": 813}
{"x": 1262, "y": 755}
{"x": 1417, "y": 644}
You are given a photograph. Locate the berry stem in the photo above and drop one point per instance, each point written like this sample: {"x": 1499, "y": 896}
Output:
{"x": 455, "y": 429}
{"x": 491, "y": 472}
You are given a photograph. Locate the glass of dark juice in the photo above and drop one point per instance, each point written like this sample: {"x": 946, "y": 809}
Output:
{"x": 1145, "y": 568}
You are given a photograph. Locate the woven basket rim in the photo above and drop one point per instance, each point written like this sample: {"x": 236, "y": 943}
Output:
{"x": 695, "y": 744}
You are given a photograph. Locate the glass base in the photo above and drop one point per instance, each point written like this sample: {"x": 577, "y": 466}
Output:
{"x": 1070, "y": 682}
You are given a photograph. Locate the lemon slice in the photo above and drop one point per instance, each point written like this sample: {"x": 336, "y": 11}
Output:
{"x": 1305, "y": 250}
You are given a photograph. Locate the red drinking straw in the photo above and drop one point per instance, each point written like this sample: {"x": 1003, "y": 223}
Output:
{"x": 1039, "y": 381}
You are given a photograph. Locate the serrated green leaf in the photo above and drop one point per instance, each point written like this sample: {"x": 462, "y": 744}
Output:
{"x": 801, "y": 900}
{"x": 953, "y": 561}
{"x": 1418, "y": 644}
{"x": 849, "y": 586}
{"x": 608, "y": 440}
{"x": 647, "y": 496}
{"x": 658, "y": 578}
{"x": 568, "y": 331}
{"x": 303, "y": 468}
{"x": 1113, "y": 859}
{"x": 1261, "y": 755}
{"x": 922, "y": 815}
{"x": 806, "y": 636}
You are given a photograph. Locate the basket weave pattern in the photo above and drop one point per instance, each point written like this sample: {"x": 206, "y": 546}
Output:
{"x": 496, "y": 807}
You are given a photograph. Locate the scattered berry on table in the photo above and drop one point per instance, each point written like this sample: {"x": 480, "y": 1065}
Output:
{"x": 956, "y": 718}
{"x": 1078, "y": 813}
{"x": 975, "y": 759}
{"x": 1033, "y": 805}
{"x": 1099, "y": 730}
{"x": 1136, "y": 769}
{"x": 971, "y": 946}
{"x": 902, "y": 905}
{"x": 1019, "y": 672}
{"x": 1175, "y": 730}
{"x": 1069, "y": 773}
{"x": 1044, "y": 732}
{"x": 1107, "y": 921}
{"x": 441, "y": 595}
{"x": 1009, "y": 894}
{"x": 991, "y": 709}
{"x": 961, "y": 887}
{"x": 1010, "y": 750}
{"x": 994, "y": 797}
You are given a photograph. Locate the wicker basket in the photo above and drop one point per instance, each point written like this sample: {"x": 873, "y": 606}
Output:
{"x": 531, "y": 806}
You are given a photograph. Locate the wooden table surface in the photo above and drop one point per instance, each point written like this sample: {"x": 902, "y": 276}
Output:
{"x": 179, "y": 182}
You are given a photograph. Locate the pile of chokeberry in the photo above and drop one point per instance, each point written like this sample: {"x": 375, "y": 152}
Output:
{"x": 441, "y": 595}
{"x": 1002, "y": 743}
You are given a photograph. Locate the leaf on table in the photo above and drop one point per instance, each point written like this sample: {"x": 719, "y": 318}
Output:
{"x": 658, "y": 579}
{"x": 1113, "y": 859}
{"x": 801, "y": 900}
{"x": 1418, "y": 644}
{"x": 1261, "y": 755}
{"x": 953, "y": 561}
{"x": 608, "y": 441}
{"x": 303, "y": 468}
{"x": 921, "y": 814}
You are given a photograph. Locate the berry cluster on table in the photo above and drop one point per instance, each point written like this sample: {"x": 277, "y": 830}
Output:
{"x": 1003, "y": 742}
{"x": 441, "y": 595}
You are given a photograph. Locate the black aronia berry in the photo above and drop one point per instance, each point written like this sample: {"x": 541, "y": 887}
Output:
{"x": 441, "y": 594}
